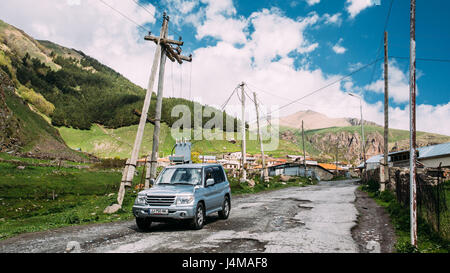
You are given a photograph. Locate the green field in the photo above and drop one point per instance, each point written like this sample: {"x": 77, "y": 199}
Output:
{"x": 41, "y": 198}
{"x": 109, "y": 143}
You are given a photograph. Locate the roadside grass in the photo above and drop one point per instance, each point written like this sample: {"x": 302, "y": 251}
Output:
{"x": 339, "y": 178}
{"x": 42, "y": 198}
{"x": 31, "y": 161}
{"x": 428, "y": 240}
{"x": 274, "y": 183}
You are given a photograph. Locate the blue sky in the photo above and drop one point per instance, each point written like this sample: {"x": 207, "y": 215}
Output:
{"x": 282, "y": 49}
{"x": 361, "y": 37}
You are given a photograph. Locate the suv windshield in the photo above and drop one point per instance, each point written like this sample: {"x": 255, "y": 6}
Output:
{"x": 192, "y": 176}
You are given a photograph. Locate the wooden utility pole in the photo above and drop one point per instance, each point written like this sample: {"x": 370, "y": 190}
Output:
{"x": 386, "y": 114}
{"x": 337, "y": 152}
{"x": 263, "y": 172}
{"x": 304, "y": 151}
{"x": 173, "y": 55}
{"x": 412, "y": 125}
{"x": 130, "y": 166}
{"x": 244, "y": 155}
{"x": 163, "y": 49}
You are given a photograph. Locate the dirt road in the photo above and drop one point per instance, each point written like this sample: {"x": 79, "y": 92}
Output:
{"x": 317, "y": 218}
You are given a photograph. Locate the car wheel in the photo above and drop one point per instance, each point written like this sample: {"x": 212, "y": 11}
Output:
{"x": 143, "y": 223}
{"x": 199, "y": 217}
{"x": 226, "y": 207}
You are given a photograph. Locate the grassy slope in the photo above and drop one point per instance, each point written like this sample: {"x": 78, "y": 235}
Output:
{"x": 119, "y": 142}
{"x": 36, "y": 132}
{"x": 401, "y": 137}
{"x": 395, "y": 135}
{"x": 41, "y": 198}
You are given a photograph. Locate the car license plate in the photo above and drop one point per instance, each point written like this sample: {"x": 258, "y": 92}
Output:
{"x": 159, "y": 211}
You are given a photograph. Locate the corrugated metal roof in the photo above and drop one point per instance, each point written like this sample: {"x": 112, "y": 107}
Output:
{"x": 424, "y": 152}
{"x": 434, "y": 150}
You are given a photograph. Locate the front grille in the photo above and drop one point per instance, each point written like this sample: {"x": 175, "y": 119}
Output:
{"x": 154, "y": 200}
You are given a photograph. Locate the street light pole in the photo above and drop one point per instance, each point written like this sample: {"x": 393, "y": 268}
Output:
{"x": 362, "y": 129}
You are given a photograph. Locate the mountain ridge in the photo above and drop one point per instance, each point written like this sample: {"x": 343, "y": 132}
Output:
{"x": 315, "y": 120}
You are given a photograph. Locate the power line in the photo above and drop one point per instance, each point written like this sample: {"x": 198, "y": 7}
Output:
{"x": 423, "y": 59}
{"x": 142, "y": 6}
{"x": 123, "y": 15}
{"x": 382, "y": 38}
{"x": 328, "y": 85}
{"x": 226, "y": 102}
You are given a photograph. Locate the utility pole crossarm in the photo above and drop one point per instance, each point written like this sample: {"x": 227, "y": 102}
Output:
{"x": 171, "y": 53}
{"x": 163, "y": 40}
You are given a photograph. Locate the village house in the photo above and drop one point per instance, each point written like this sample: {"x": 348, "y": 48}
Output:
{"x": 296, "y": 169}
{"x": 429, "y": 156}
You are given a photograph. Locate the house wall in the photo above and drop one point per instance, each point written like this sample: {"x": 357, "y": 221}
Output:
{"x": 312, "y": 171}
{"x": 434, "y": 162}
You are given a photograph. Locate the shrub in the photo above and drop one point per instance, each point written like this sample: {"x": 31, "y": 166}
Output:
{"x": 36, "y": 99}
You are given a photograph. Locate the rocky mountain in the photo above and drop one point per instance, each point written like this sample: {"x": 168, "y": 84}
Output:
{"x": 314, "y": 120}
{"x": 323, "y": 143}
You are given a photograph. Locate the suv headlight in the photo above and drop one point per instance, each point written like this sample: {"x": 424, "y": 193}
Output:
{"x": 185, "y": 200}
{"x": 140, "y": 200}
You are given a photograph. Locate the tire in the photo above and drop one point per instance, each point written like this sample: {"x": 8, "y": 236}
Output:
{"x": 143, "y": 224}
{"x": 199, "y": 217}
{"x": 226, "y": 207}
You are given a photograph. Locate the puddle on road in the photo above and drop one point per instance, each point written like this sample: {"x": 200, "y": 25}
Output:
{"x": 240, "y": 245}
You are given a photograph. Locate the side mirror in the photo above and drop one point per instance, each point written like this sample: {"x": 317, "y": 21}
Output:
{"x": 152, "y": 181}
{"x": 210, "y": 182}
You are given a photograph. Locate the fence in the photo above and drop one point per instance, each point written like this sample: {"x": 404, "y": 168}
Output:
{"x": 432, "y": 197}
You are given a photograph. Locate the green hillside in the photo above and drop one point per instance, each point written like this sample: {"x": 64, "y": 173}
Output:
{"x": 321, "y": 143}
{"x": 119, "y": 142}
{"x": 73, "y": 89}
{"x": 32, "y": 132}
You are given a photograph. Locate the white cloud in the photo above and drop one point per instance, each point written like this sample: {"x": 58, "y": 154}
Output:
{"x": 91, "y": 27}
{"x": 277, "y": 35}
{"x": 338, "y": 49}
{"x": 264, "y": 59}
{"x": 354, "y": 7}
{"x": 312, "y": 2}
{"x": 398, "y": 84}
{"x": 333, "y": 19}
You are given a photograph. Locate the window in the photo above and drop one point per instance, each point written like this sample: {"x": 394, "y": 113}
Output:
{"x": 218, "y": 175}
{"x": 180, "y": 176}
{"x": 208, "y": 174}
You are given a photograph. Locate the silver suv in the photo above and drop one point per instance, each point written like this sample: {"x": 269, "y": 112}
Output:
{"x": 184, "y": 192}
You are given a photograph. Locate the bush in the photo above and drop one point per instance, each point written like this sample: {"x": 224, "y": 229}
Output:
{"x": 386, "y": 196}
{"x": 110, "y": 163}
{"x": 406, "y": 247}
{"x": 37, "y": 100}
{"x": 371, "y": 186}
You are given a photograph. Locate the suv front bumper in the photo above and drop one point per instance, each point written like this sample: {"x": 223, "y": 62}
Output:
{"x": 175, "y": 212}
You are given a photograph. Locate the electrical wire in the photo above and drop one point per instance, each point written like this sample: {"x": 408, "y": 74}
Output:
{"x": 142, "y": 6}
{"x": 229, "y": 98}
{"x": 382, "y": 39}
{"x": 423, "y": 59}
{"x": 125, "y": 16}
{"x": 328, "y": 85}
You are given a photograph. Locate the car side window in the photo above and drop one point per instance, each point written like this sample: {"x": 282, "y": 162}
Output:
{"x": 218, "y": 175}
{"x": 208, "y": 174}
